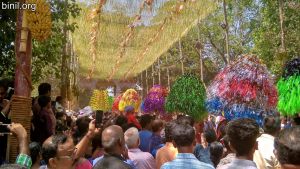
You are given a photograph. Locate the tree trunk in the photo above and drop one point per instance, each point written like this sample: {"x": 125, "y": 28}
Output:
{"x": 226, "y": 31}
{"x": 168, "y": 72}
{"x": 147, "y": 87}
{"x": 159, "y": 79}
{"x": 65, "y": 81}
{"x": 281, "y": 17}
{"x": 153, "y": 78}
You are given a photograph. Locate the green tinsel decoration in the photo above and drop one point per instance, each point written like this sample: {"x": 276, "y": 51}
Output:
{"x": 289, "y": 95}
{"x": 110, "y": 101}
{"x": 187, "y": 96}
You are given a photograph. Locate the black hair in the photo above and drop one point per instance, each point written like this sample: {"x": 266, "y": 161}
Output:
{"x": 186, "y": 120}
{"x": 82, "y": 126}
{"x": 210, "y": 135}
{"x": 242, "y": 134}
{"x": 287, "y": 146}
{"x": 157, "y": 125}
{"x": 4, "y": 84}
{"x": 168, "y": 131}
{"x": 225, "y": 140}
{"x": 183, "y": 135}
{"x": 96, "y": 141}
{"x": 35, "y": 150}
{"x": 216, "y": 152}
{"x": 59, "y": 99}
{"x": 49, "y": 150}
{"x": 271, "y": 125}
{"x": 44, "y": 101}
{"x": 145, "y": 120}
{"x": 296, "y": 120}
{"x": 121, "y": 120}
{"x": 44, "y": 88}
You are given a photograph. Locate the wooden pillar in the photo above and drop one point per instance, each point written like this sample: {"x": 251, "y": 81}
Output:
{"x": 21, "y": 101}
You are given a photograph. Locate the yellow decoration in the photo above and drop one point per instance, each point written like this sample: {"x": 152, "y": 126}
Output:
{"x": 130, "y": 98}
{"x": 99, "y": 100}
{"x": 39, "y": 21}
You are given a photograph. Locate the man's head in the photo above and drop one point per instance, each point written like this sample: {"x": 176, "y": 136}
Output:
{"x": 113, "y": 140}
{"x": 44, "y": 89}
{"x": 3, "y": 90}
{"x": 210, "y": 136}
{"x": 58, "y": 152}
{"x": 157, "y": 125}
{"x": 183, "y": 136}
{"x": 242, "y": 135}
{"x": 168, "y": 131}
{"x": 271, "y": 125}
{"x": 186, "y": 120}
{"x": 44, "y": 101}
{"x": 287, "y": 146}
{"x": 146, "y": 121}
{"x": 132, "y": 139}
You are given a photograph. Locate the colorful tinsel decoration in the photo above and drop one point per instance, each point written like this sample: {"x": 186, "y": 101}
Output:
{"x": 130, "y": 98}
{"x": 187, "y": 96}
{"x": 99, "y": 100}
{"x": 155, "y": 100}
{"x": 243, "y": 89}
{"x": 115, "y": 105}
{"x": 289, "y": 89}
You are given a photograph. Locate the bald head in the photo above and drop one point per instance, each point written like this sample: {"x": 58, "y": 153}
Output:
{"x": 132, "y": 137}
{"x": 113, "y": 139}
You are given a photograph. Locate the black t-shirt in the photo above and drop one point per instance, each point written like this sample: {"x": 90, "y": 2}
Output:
{"x": 3, "y": 139}
{"x": 112, "y": 162}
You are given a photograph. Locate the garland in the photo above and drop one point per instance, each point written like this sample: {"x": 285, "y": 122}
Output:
{"x": 130, "y": 98}
{"x": 187, "y": 96}
{"x": 155, "y": 100}
{"x": 39, "y": 21}
{"x": 115, "y": 105}
{"x": 289, "y": 89}
{"x": 243, "y": 89}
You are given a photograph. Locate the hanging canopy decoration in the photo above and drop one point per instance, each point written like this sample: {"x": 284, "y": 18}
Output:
{"x": 130, "y": 98}
{"x": 289, "y": 89}
{"x": 99, "y": 100}
{"x": 243, "y": 89}
{"x": 187, "y": 95}
{"x": 155, "y": 100}
{"x": 39, "y": 20}
{"x": 127, "y": 44}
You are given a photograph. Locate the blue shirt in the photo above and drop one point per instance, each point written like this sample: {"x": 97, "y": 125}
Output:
{"x": 203, "y": 154}
{"x": 145, "y": 140}
{"x": 184, "y": 161}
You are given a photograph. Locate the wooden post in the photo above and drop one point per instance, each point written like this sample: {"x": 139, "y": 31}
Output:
{"x": 141, "y": 76}
{"x": 226, "y": 31}
{"x": 168, "y": 72}
{"x": 152, "y": 70}
{"x": 147, "y": 87}
{"x": 159, "y": 80}
{"x": 181, "y": 56}
{"x": 23, "y": 86}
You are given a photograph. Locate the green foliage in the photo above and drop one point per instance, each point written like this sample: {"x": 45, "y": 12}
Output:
{"x": 289, "y": 93}
{"x": 46, "y": 56}
{"x": 187, "y": 96}
{"x": 267, "y": 35}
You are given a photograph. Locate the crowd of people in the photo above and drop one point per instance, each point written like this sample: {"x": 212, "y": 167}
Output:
{"x": 125, "y": 140}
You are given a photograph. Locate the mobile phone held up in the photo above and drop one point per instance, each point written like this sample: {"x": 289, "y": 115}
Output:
{"x": 99, "y": 117}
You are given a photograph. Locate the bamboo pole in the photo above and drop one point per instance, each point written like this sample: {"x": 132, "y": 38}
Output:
{"x": 159, "y": 79}
{"x": 153, "y": 78}
{"x": 147, "y": 87}
{"x": 168, "y": 72}
{"x": 226, "y": 31}
{"x": 181, "y": 56}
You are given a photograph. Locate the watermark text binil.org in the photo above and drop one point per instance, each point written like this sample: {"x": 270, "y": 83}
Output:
{"x": 18, "y": 5}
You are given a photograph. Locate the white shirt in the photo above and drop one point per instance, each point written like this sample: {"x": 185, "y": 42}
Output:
{"x": 266, "y": 152}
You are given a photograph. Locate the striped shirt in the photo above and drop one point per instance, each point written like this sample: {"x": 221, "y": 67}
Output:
{"x": 184, "y": 161}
